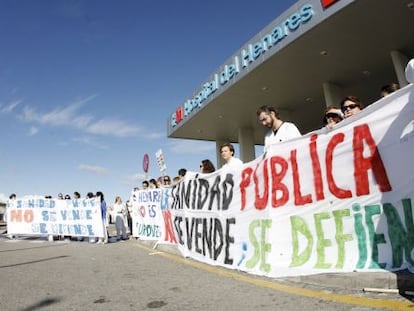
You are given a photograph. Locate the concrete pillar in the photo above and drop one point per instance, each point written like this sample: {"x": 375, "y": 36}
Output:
{"x": 333, "y": 94}
{"x": 246, "y": 144}
{"x": 399, "y": 61}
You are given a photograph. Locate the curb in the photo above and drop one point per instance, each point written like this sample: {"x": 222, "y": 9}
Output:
{"x": 385, "y": 281}
{"x": 399, "y": 281}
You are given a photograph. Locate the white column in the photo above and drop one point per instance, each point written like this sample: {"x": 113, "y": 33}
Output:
{"x": 399, "y": 61}
{"x": 246, "y": 143}
{"x": 332, "y": 93}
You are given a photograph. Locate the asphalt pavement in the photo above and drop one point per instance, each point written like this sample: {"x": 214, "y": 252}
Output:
{"x": 386, "y": 282}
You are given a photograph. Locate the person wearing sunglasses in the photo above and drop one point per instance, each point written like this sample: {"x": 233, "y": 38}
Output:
{"x": 350, "y": 106}
{"x": 333, "y": 115}
{"x": 166, "y": 180}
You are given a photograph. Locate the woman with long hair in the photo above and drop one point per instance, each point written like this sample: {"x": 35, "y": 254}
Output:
{"x": 207, "y": 166}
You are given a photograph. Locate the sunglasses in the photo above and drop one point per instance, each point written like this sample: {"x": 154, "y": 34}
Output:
{"x": 352, "y": 106}
{"x": 166, "y": 180}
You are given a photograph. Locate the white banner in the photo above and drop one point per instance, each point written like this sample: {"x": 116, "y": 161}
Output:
{"x": 40, "y": 216}
{"x": 147, "y": 221}
{"x": 330, "y": 201}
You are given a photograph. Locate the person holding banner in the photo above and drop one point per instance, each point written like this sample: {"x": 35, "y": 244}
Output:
{"x": 129, "y": 216}
{"x": 182, "y": 172}
{"x": 279, "y": 131}
{"x": 153, "y": 183}
{"x": 12, "y": 199}
{"x": 227, "y": 153}
{"x": 120, "y": 219}
{"x": 145, "y": 185}
{"x": 389, "y": 88}
{"x": 207, "y": 167}
{"x": 351, "y": 106}
{"x": 333, "y": 115}
{"x": 166, "y": 181}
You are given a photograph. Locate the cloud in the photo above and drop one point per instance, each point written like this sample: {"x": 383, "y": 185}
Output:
{"x": 10, "y": 107}
{"x": 90, "y": 142}
{"x": 156, "y": 135}
{"x": 93, "y": 169}
{"x": 60, "y": 116}
{"x": 114, "y": 128}
{"x": 33, "y": 131}
{"x": 191, "y": 147}
{"x": 70, "y": 116}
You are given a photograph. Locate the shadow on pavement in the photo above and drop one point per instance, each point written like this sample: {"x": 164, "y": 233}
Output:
{"x": 41, "y": 304}
{"x": 34, "y": 261}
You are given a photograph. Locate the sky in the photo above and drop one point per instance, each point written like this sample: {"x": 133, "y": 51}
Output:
{"x": 86, "y": 87}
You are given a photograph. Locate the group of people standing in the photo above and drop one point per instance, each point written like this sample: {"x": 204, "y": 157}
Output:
{"x": 121, "y": 211}
{"x": 280, "y": 130}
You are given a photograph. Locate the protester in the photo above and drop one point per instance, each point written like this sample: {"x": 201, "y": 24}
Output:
{"x": 180, "y": 176}
{"x": 351, "y": 106}
{"x": 160, "y": 182}
{"x": 227, "y": 154}
{"x": 153, "y": 183}
{"x": 176, "y": 179}
{"x": 166, "y": 181}
{"x": 120, "y": 218}
{"x": 129, "y": 216}
{"x": 77, "y": 196}
{"x": 182, "y": 172}
{"x": 388, "y": 89}
{"x": 279, "y": 131}
{"x": 333, "y": 115}
{"x": 207, "y": 167}
{"x": 145, "y": 185}
{"x": 12, "y": 198}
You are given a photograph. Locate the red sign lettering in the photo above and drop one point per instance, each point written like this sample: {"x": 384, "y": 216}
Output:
{"x": 327, "y": 3}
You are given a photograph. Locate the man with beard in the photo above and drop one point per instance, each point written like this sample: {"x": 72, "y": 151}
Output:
{"x": 279, "y": 131}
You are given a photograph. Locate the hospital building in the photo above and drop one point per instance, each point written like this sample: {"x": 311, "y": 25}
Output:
{"x": 311, "y": 56}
